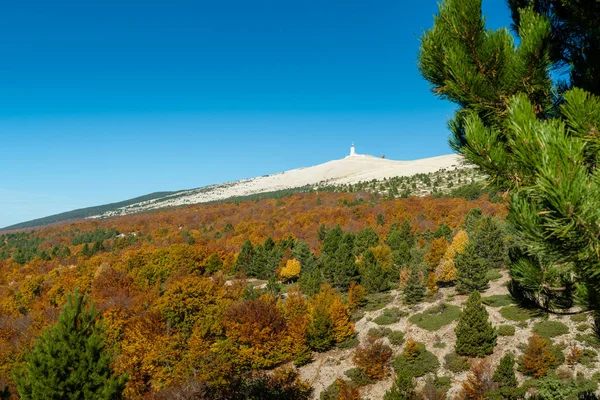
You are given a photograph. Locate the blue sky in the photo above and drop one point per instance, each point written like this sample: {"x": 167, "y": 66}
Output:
{"x": 107, "y": 100}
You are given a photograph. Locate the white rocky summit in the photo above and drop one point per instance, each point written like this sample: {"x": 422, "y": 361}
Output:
{"x": 351, "y": 169}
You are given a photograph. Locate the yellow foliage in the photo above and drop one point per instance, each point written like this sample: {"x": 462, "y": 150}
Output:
{"x": 383, "y": 255}
{"x": 291, "y": 271}
{"x": 432, "y": 286}
{"x": 356, "y": 295}
{"x": 343, "y": 328}
{"x": 446, "y": 271}
{"x": 460, "y": 240}
{"x": 411, "y": 350}
{"x": 404, "y": 275}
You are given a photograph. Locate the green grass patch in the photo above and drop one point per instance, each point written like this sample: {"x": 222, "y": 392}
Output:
{"x": 588, "y": 358}
{"x": 579, "y": 318}
{"x": 583, "y": 327}
{"x": 358, "y": 377}
{"x": 357, "y": 315}
{"x": 349, "y": 343}
{"x": 493, "y": 274}
{"x": 516, "y": 313}
{"x": 589, "y": 339}
{"x": 442, "y": 383}
{"x": 550, "y": 329}
{"x": 390, "y": 316}
{"x": 377, "y": 301}
{"x": 435, "y": 317}
{"x": 395, "y": 337}
{"x": 498, "y": 300}
{"x": 426, "y": 362}
{"x": 456, "y": 363}
{"x": 439, "y": 345}
{"x": 506, "y": 330}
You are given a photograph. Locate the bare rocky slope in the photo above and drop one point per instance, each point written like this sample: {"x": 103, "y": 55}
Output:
{"x": 329, "y": 366}
{"x": 348, "y": 170}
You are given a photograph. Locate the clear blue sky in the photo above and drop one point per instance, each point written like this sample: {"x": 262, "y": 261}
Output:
{"x": 106, "y": 100}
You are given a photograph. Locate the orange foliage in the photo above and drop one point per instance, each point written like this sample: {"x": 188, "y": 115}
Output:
{"x": 411, "y": 350}
{"x": 356, "y": 295}
{"x": 373, "y": 358}
{"x": 346, "y": 391}
{"x": 537, "y": 358}
{"x": 436, "y": 252}
{"x": 165, "y": 319}
{"x": 573, "y": 355}
{"x": 432, "y": 286}
{"x": 256, "y": 330}
{"x": 478, "y": 383}
{"x": 343, "y": 328}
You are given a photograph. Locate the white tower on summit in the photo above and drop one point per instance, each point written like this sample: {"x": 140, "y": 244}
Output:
{"x": 352, "y": 153}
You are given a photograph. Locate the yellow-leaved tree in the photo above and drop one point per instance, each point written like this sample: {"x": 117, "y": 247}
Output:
{"x": 446, "y": 270}
{"x": 291, "y": 271}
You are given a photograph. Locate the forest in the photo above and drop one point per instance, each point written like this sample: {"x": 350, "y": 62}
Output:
{"x": 177, "y": 290}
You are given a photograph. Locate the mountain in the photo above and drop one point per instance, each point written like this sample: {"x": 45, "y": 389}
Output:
{"x": 349, "y": 170}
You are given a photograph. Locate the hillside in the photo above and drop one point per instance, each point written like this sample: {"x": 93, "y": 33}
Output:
{"x": 205, "y": 300}
{"x": 336, "y": 175}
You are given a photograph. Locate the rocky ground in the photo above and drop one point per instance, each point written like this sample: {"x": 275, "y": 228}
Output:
{"x": 328, "y": 366}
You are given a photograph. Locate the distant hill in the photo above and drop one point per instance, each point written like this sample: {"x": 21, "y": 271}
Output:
{"x": 84, "y": 212}
{"x": 383, "y": 175}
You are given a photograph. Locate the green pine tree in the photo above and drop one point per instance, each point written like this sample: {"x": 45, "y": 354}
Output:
{"x": 414, "y": 292}
{"x": 213, "y": 264}
{"x": 70, "y": 360}
{"x": 319, "y": 333}
{"x": 472, "y": 220}
{"x": 372, "y": 276}
{"x": 475, "y": 335}
{"x": 489, "y": 242}
{"x": 504, "y": 376}
{"x": 245, "y": 257}
{"x": 310, "y": 282}
{"x": 365, "y": 239}
{"x": 302, "y": 253}
{"x": 403, "y": 387}
{"x": 471, "y": 271}
{"x": 534, "y": 138}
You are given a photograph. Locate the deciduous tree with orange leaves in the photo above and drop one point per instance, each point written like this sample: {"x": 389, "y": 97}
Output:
{"x": 537, "y": 358}
{"x": 373, "y": 357}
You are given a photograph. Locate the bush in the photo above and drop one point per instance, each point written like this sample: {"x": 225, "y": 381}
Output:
{"x": 390, "y": 316}
{"x": 358, "y": 377}
{"x": 498, "y": 300}
{"x": 395, "y": 337}
{"x": 579, "y": 318}
{"x": 506, "y": 330}
{"x": 550, "y": 329}
{"x": 435, "y": 317}
{"x": 349, "y": 343}
{"x": 423, "y": 363}
{"x": 456, "y": 363}
{"x": 493, "y": 274}
{"x": 373, "y": 358}
{"x": 516, "y": 313}
{"x": 538, "y": 357}
{"x": 589, "y": 339}
{"x": 340, "y": 389}
{"x": 588, "y": 358}
{"x": 583, "y": 327}
{"x": 377, "y": 301}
